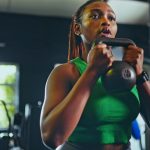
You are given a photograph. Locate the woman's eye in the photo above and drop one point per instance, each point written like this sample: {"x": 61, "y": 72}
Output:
{"x": 95, "y": 16}
{"x": 111, "y": 18}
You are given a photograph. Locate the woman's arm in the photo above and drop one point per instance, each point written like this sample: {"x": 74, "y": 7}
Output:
{"x": 144, "y": 94}
{"x": 66, "y": 95}
{"x": 63, "y": 104}
{"x": 135, "y": 56}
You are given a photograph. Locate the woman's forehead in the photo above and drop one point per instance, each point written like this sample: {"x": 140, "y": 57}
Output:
{"x": 98, "y": 6}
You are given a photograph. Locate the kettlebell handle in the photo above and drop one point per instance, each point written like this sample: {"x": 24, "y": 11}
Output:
{"x": 121, "y": 76}
{"x": 124, "y": 42}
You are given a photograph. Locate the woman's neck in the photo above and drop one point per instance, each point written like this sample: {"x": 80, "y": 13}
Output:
{"x": 85, "y": 51}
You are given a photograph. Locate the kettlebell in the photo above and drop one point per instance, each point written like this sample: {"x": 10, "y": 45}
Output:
{"x": 121, "y": 76}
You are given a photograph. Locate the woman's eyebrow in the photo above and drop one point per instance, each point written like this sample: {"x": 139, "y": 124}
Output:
{"x": 96, "y": 10}
{"x": 111, "y": 11}
{"x": 99, "y": 11}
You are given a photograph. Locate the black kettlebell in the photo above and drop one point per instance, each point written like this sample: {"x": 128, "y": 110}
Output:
{"x": 121, "y": 76}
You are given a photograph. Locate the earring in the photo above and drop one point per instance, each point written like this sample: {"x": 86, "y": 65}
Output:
{"x": 78, "y": 33}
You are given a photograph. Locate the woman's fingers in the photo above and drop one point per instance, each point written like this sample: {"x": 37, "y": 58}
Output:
{"x": 134, "y": 55}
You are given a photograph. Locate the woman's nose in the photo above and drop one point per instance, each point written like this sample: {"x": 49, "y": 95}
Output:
{"x": 105, "y": 21}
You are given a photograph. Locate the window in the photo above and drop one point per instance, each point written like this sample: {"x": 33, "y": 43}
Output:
{"x": 9, "y": 92}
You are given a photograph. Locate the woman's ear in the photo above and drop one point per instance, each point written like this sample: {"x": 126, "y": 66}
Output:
{"x": 77, "y": 29}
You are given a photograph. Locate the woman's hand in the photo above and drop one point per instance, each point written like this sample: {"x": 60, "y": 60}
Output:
{"x": 134, "y": 55}
{"x": 100, "y": 58}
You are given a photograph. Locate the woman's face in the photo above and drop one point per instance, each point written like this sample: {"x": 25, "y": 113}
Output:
{"x": 97, "y": 20}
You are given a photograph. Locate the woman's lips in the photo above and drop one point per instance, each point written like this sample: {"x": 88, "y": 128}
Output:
{"x": 105, "y": 35}
{"x": 105, "y": 32}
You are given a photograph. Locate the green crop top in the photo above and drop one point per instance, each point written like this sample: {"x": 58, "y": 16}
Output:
{"x": 106, "y": 118}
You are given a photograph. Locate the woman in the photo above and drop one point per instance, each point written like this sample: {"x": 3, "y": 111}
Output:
{"x": 78, "y": 113}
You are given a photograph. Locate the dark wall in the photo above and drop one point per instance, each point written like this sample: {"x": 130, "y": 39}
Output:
{"x": 138, "y": 33}
{"x": 36, "y": 44}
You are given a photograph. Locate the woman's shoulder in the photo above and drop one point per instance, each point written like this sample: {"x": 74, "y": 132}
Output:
{"x": 65, "y": 67}
{"x": 66, "y": 70}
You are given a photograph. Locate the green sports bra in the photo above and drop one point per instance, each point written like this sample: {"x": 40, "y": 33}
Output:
{"x": 106, "y": 118}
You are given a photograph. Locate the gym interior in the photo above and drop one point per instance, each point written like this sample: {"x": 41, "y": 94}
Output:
{"x": 31, "y": 44}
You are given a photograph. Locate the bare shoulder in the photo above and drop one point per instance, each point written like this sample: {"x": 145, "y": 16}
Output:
{"x": 66, "y": 72}
{"x": 60, "y": 81}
